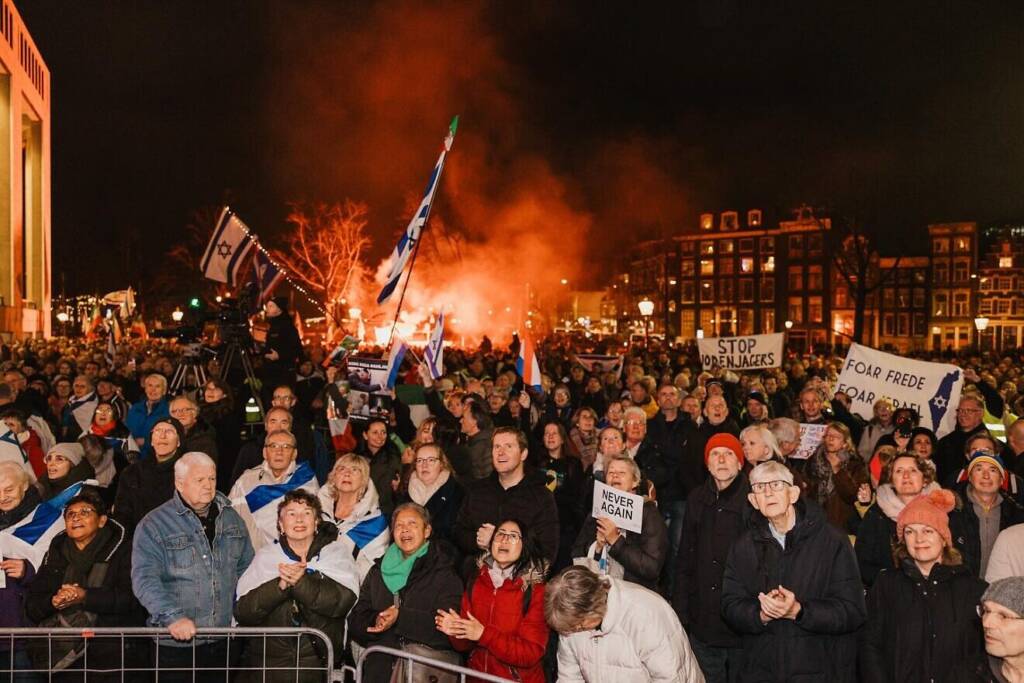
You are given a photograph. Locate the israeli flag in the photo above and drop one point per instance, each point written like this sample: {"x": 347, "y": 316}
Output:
{"x": 258, "y": 507}
{"x": 434, "y": 353}
{"x": 229, "y": 245}
{"x": 30, "y": 538}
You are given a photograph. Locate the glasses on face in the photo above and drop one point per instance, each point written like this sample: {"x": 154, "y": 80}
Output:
{"x": 79, "y": 514}
{"x": 510, "y": 536}
{"x": 183, "y": 411}
{"x": 1000, "y": 617}
{"x": 104, "y": 411}
{"x": 427, "y": 461}
{"x": 280, "y": 447}
{"x": 777, "y": 485}
{"x": 968, "y": 411}
{"x": 164, "y": 432}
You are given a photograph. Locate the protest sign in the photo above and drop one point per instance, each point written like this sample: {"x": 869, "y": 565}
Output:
{"x": 598, "y": 364}
{"x": 810, "y": 437}
{"x": 625, "y": 509}
{"x": 932, "y": 389}
{"x": 367, "y": 393}
{"x": 752, "y": 352}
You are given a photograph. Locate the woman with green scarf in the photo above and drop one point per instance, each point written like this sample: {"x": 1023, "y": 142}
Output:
{"x": 400, "y": 596}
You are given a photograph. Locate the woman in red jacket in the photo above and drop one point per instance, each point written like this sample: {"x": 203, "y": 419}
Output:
{"x": 502, "y": 620}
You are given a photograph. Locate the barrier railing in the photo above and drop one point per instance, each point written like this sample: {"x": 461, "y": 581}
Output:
{"x": 410, "y": 675}
{"x": 32, "y": 655}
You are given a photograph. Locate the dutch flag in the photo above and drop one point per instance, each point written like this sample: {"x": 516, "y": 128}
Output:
{"x": 398, "y": 350}
{"x": 527, "y": 365}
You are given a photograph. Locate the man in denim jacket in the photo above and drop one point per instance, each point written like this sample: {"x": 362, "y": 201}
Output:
{"x": 187, "y": 556}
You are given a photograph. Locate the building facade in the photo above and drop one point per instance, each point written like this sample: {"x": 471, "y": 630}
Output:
{"x": 1000, "y": 281}
{"x": 954, "y": 262}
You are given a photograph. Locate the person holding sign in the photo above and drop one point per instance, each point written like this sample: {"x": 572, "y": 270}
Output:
{"x": 792, "y": 588}
{"x": 602, "y": 545}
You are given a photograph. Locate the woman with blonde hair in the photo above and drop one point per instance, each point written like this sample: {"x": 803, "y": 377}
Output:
{"x": 836, "y": 473}
{"x": 349, "y": 500}
{"x": 432, "y": 484}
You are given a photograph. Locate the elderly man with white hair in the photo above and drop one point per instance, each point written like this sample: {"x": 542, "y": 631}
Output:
{"x": 187, "y": 557}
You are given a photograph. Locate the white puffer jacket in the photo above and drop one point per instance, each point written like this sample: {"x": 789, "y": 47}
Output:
{"x": 640, "y": 639}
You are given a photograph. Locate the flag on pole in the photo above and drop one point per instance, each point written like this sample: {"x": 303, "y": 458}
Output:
{"x": 266, "y": 276}
{"x": 228, "y": 247}
{"x": 398, "y": 350}
{"x": 407, "y": 243}
{"x": 347, "y": 345}
{"x": 527, "y": 365}
{"x": 138, "y": 327}
{"x": 95, "y": 321}
{"x": 111, "y": 346}
{"x": 434, "y": 353}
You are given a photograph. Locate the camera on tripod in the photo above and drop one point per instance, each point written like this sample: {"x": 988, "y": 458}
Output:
{"x": 231, "y": 318}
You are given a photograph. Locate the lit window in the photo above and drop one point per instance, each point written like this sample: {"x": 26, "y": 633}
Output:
{"x": 730, "y": 221}
{"x": 707, "y": 266}
{"x": 768, "y": 264}
{"x": 754, "y": 218}
{"x": 1006, "y": 262}
{"x": 707, "y": 221}
{"x": 707, "y": 248}
{"x": 746, "y": 265}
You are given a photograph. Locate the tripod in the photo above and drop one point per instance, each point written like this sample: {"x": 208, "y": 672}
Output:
{"x": 189, "y": 368}
{"x": 233, "y": 350}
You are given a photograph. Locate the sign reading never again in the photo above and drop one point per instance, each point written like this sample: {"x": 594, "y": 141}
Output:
{"x": 752, "y": 352}
{"x": 626, "y": 510}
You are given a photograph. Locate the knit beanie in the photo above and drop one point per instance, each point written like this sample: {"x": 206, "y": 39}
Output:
{"x": 1008, "y": 592}
{"x": 931, "y": 509}
{"x": 178, "y": 427}
{"x": 724, "y": 440}
{"x": 70, "y": 451}
{"x": 759, "y": 397}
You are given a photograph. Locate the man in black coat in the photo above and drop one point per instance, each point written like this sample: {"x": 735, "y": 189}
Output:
{"x": 509, "y": 492}
{"x": 717, "y": 512}
{"x": 791, "y": 588}
{"x": 1002, "y": 619}
{"x": 282, "y": 349}
{"x": 692, "y": 472}
{"x": 949, "y": 455}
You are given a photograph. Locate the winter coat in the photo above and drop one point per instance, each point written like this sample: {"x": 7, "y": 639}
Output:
{"x": 316, "y": 601}
{"x": 385, "y": 465}
{"x": 202, "y": 438}
{"x": 819, "y": 566}
{"x": 1007, "y": 558}
{"x": 876, "y": 534}
{"x": 873, "y": 431}
{"x": 979, "y": 669}
{"x": 227, "y": 426}
{"x": 515, "y": 634}
{"x": 364, "y": 532}
{"x": 472, "y": 459}
{"x": 692, "y": 471}
{"x": 12, "y": 596}
{"x": 565, "y": 477}
{"x": 433, "y": 585}
{"x": 713, "y": 521}
{"x": 143, "y": 486}
{"x": 671, "y": 439}
{"x": 141, "y": 418}
{"x": 949, "y": 453}
{"x": 642, "y": 555}
{"x": 839, "y": 506}
{"x": 488, "y": 502}
{"x": 443, "y": 507}
{"x": 640, "y": 640}
{"x": 53, "y": 487}
{"x": 965, "y": 526}
{"x": 918, "y": 627}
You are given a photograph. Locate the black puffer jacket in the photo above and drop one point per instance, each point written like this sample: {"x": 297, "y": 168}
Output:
{"x": 641, "y": 555}
{"x": 433, "y": 584}
{"x": 714, "y": 520}
{"x": 875, "y": 537}
{"x": 202, "y": 438}
{"x": 919, "y": 628}
{"x": 671, "y": 439}
{"x": 316, "y": 601}
{"x": 143, "y": 487}
{"x": 819, "y": 566}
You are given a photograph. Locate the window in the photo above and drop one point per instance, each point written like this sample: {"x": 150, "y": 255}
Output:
{"x": 687, "y": 267}
{"x": 730, "y": 220}
{"x": 707, "y": 293}
{"x": 985, "y": 307}
{"x": 707, "y": 248}
{"x": 747, "y": 265}
{"x": 754, "y": 221}
{"x": 903, "y": 325}
{"x": 961, "y": 304}
{"x": 903, "y": 298}
{"x": 688, "y": 323}
{"x": 902, "y": 276}
{"x": 707, "y": 322}
{"x": 725, "y": 246}
{"x": 1002, "y": 306}
{"x": 707, "y": 221}
{"x": 889, "y": 325}
{"x": 796, "y": 309}
{"x": 841, "y": 297}
{"x": 767, "y": 321}
{"x": 725, "y": 265}
{"x": 746, "y": 318}
{"x": 985, "y": 284}
{"x": 768, "y": 264}
{"x": 814, "y": 309}
{"x": 726, "y": 321}
{"x": 686, "y": 292}
{"x": 920, "y": 327}
{"x": 941, "y": 273}
{"x": 940, "y": 304}
{"x": 796, "y": 245}
{"x": 1003, "y": 283}
{"x": 707, "y": 266}
{"x": 1006, "y": 262}
{"x": 746, "y": 245}
{"x": 687, "y": 246}
{"x": 962, "y": 244}
{"x": 814, "y": 245}
{"x": 767, "y": 245}
{"x": 918, "y": 297}
{"x": 767, "y": 290}
{"x": 960, "y": 271}
{"x": 919, "y": 276}
{"x": 726, "y": 293}
{"x": 746, "y": 290}
{"x": 796, "y": 278}
{"x": 940, "y": 245}
{"x": 814, "y": 278}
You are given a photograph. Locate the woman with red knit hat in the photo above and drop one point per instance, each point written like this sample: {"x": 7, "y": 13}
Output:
{"x": 922, "y": 616}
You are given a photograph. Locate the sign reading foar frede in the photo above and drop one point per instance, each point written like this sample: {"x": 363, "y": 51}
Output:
{"x": 752, "y": 352}
{"x": 625, "y": 509}
{"x": 931, "y": 389}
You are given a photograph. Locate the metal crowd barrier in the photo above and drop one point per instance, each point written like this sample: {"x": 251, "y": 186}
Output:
{"x": 409, "y": 658}
{"x": 143, "y": 663}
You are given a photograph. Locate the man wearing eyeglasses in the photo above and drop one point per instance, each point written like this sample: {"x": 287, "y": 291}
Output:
{"x": 1002, "y": 622}
{"x": 258, "y": 491}
{"x": 792, "y": 588}
{"x": 970, "y": 420}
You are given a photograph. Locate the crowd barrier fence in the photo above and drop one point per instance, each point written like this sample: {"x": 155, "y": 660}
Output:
{"x": 410, "y": 673}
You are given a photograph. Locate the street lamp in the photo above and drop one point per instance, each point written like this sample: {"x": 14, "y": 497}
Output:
{"x": 982, "y": 325}
{"x": 177, "y": 315}
{"x": 62, "y": 317}
{"x": 646, "y": 307}
{"x": 789, "y": 324}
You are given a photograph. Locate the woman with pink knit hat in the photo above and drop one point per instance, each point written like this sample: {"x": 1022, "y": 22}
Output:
{"x": 922, "y": 616}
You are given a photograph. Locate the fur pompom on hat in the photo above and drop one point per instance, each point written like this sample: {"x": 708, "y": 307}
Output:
{"x": 931, "y": 509}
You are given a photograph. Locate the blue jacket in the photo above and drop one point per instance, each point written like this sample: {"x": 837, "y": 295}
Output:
{"x": 140, "y": 420}
{"x": 174, "y": 572}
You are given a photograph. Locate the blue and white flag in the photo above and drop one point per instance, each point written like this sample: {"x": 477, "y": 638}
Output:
{"x": 407, "y": 243}
{"x": 434, "y": 353}
{"x": 225, "y": 255}
{"x": 30, "y": 538}
{"x": 266, "y": 276}
{"x": 257, "y": 506}
{"x": 398, "y": 349}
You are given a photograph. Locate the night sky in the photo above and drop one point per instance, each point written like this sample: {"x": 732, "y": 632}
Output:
{"x": 611, "y": 120}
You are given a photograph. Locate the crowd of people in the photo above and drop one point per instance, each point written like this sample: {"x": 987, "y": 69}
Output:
{"x": 460, "y": 529}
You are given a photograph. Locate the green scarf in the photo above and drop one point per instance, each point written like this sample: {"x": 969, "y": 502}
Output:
{"x": 395, "y": 567}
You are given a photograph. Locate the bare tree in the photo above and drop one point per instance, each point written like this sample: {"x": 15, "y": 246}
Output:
{"x": 857, "y": 261}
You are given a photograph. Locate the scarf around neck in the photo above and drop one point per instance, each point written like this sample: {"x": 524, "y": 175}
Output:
{"x": 395, "y": 567}
{"x": 421, "y": 493}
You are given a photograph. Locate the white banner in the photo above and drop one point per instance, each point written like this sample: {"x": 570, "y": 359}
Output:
{"x": 932, "y": 389}
{"x": 625, "y": 509}
{"x": 810, "y": 437}
{"x": 753, "y": 352}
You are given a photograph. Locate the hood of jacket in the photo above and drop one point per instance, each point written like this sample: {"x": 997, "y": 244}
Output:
{"x": 889, "y": 502}
{"x": 367, "y": 506}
